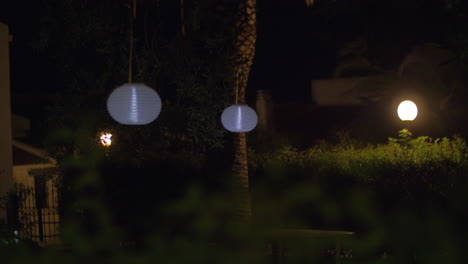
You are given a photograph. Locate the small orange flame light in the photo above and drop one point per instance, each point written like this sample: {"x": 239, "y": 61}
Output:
{"x": 106, "y": 139}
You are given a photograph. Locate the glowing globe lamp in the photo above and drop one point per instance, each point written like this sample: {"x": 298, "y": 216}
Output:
{"x": 407, "y": 111}
{"x": 239, "y": 118}
{"x": 134, "y": 104}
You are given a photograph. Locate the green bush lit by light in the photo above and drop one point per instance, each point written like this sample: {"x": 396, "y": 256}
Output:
{"x": 423, "y": 156}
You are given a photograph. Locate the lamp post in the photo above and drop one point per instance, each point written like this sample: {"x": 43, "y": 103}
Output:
{"x": 407, "y": 111}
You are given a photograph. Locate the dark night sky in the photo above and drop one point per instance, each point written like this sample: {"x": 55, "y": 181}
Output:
{"x": 299, "y": 44}
{"x": 27, "y": 71}
{"x": 295, "y": 43}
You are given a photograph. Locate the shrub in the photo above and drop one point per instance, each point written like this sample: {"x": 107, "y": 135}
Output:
{"x": 405, "y": 165}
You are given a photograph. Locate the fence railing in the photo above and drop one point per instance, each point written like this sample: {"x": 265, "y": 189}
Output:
{"x": 38, "y": 214}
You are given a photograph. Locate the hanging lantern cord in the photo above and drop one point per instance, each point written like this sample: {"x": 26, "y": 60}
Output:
{"x": 182, "y": 18}
{"x": 130, "y": 52}
{"x": 237, "y": 87}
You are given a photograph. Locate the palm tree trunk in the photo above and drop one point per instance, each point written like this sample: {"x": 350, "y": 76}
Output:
{"x": 244, "y": 52}
{"x": 245, "y": 24}
{"x": 241, "y": 177}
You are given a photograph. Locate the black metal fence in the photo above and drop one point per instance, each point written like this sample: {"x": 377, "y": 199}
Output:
{"x": 37, "y": 210}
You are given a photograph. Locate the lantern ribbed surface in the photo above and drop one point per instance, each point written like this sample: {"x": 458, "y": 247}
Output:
{"x": 239, "y": 118}
{"x": 134, "y": 104}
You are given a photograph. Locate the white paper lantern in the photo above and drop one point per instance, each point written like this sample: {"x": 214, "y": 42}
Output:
{"x": 239, "y": 118}
{"x": 407, "y": 111}
{"x": 134, "y": 104}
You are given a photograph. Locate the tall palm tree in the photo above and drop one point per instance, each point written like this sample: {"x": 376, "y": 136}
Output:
{"x": 242, "y": 59}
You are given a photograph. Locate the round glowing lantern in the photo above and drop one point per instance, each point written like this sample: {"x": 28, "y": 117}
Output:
{"x": 407, "y": 111}
{"x": 239, "y": 118}
{"x": 134, "y": 104}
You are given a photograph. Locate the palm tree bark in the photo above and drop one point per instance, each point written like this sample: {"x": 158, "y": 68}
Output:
{"x": 245, "y": 24}
{"x": 241, "y": 176}
{"x": 242, "y": 59}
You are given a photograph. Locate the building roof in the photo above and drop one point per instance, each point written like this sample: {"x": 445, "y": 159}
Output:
{"x": 24, "y": 154}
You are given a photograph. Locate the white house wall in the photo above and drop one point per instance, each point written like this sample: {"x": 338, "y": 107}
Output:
{"x": 6, "y": 159}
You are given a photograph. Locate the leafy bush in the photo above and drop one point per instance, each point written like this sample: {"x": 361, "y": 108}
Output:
{"x": 435, "y": 164}
{"x": 405, "y": 198}
{"x": 414, "y": 174}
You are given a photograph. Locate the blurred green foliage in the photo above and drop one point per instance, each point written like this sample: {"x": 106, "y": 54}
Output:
{"x": 404, "y": 200}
